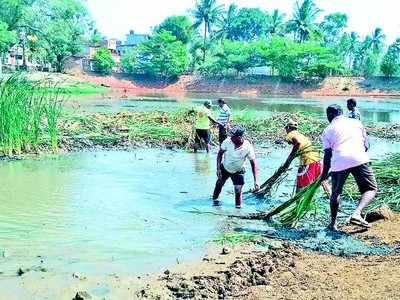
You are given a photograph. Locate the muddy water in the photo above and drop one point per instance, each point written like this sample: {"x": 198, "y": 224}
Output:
{"x": 106, "y": 212}
{"x": 122, "y": 212}
{"x": 372, "y": 109}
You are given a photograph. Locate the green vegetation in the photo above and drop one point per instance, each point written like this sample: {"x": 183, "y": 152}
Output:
{"x": 237, "y": 238}
{"x": 103, "y": 61}
{"x": 50, "y": 30}
{"x": 211, "y": 41}
{"x": 293, "y": 210}
{"x": 162, "y": 55}
{"x": 29, "y": 114}
{"x": 79, "y": 88}
{"x": 387, "y": 174}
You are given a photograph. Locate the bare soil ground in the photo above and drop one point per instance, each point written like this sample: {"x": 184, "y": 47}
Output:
{"x": 287, "y": 273}
{"x": 331, "y": 86}
{"x": 245, "y": 272}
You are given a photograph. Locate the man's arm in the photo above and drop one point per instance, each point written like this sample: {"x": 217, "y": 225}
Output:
{"x": 214, "y": 121}
{"x": 366, "y": 141}
{"x": 219, "y": 160}
{"x": 327, "y": 164}
{"x": 296, "y": 145}
{"x": 254, "y": 169}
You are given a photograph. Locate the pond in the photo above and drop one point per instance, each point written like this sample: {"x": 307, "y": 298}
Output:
{"x": 372, "y": 109}
{"x": 124, "y": 212}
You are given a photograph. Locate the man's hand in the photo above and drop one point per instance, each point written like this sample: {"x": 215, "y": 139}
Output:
{"x": 219, "y": 173}
{"x": 256, "y": 187}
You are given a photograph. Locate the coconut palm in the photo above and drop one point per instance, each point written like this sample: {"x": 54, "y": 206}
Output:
{"x": 224, "y": 24}
{"x": 376, "y": 41}
{"x": 303, "y": 21}
{"x": 275, "y": 22}
{"x": 206, "y": 12}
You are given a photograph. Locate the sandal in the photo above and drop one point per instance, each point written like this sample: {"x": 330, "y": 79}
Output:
{"x": 358, "y": 220}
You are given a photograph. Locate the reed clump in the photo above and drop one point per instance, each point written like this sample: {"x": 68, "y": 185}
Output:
{"x": 29, "y": 113}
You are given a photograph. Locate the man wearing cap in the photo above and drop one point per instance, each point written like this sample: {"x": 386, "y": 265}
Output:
{"x": 310, "y": 166}
{"x": 345, "y": 146}
{"x": 202, "y": 126}
{"x": 231, "y": 159}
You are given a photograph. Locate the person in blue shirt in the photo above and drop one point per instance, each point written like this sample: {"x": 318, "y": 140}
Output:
{"x": 354, "y": 113}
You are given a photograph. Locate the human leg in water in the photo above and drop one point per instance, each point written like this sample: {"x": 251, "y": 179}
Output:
{"x": 238, "y": 196}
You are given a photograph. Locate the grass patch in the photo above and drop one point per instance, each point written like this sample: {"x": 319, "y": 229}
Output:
{"x": 237, "y": 238}
{"x": 81, "y": 88}
{"x": 28, "y": 113}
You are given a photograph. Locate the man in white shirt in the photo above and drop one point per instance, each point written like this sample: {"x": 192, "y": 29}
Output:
{"x": 224, "y": 119}
{"x": 345, "y": 146}
{"x": 231, "y": 160}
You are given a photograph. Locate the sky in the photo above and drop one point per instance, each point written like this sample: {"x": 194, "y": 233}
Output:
{"x": 114, "y": 18}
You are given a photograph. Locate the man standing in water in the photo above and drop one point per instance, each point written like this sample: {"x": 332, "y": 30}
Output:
{"x": 224, "y": 119}
{"x": 345, "y": 146}
{"x": 202, "y": 126}
{"x": 310, "y": 166}
{"x": 231, "y": 159}
{"x": 354, "y": 113}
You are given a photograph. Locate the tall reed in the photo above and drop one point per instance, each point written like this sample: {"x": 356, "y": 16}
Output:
{"x": 28, "y": 111}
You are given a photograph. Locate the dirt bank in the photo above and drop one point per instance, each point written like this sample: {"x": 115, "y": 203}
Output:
{"x": 246, "y": 271}
{"x": 332, "y": 86}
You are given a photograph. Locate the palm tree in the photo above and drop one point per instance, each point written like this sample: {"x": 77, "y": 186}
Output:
{"x": 206, "y": 12}
{"x": 275, "y": 22}
{"x": 376, "y": 41}
{"x": 353, "y": 44}
{"x": 224, "y": 24}
{"x": 303, "y": 21}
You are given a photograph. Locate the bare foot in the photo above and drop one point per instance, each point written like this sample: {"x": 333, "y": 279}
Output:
{"x": 332, "y": 227}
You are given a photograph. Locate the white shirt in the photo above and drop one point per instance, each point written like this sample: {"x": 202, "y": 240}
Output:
{"x": 234, "y": 159}
{"x": 348, "y": 139}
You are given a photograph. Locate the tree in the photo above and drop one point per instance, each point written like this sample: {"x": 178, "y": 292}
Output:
{"x": 7, "y": 39}
{"x": 306, "y": 60}
{"x": 377, "y": 40}
{"x": 275, "y": 23}
{"x": 12, "y": 12}
{"x": 248, "y": 25}
{"x": 302, "y": 23}
{"x": 332, "y": 27}
{"x": 95, "y": 38}
{"x": 390, "y": 65}
{"x": 206, "y": 12}
{"x": 103, "y": 61}
{"x": 129, "y": 60}
{"x": 162, "y": 55}
{"x": 178, "y": 26}
{"x": 225, "y": 23}
{"x": 63, "y": 25}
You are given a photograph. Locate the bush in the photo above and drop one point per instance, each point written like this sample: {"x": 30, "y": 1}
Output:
{"x": 103, "y": 61}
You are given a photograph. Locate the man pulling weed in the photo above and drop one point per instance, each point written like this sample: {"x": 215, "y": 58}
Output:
{"x": 345, "y": 145}
{"x": 231, "y": 160}
{"x": 202, "y": 126}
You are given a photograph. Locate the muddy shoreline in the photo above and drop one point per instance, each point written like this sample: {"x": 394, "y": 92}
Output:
{"x": 265, "y": 269}
{"x": 173, "y": 130}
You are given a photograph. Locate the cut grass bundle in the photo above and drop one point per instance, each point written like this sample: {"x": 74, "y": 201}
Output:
{"x": 280, "y": 174}
{"x": 292, "y": 211}
{"x": 387, "y": 173}
{"x": 27, "y": 112}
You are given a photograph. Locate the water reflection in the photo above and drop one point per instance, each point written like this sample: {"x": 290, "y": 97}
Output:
{"x": 372, "y": 110}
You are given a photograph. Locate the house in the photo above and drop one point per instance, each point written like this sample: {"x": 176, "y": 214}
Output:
{"x": 132, "y": 40}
